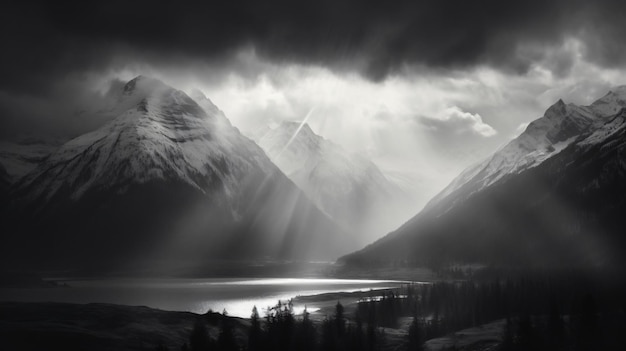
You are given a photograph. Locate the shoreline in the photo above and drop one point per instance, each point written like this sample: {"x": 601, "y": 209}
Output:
{"x": 97, "y": 326}
{"x": 105, "y": 326}
{"x": 235, "y": 295}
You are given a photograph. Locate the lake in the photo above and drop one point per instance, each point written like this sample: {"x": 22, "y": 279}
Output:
{"x": 235, "y": 295}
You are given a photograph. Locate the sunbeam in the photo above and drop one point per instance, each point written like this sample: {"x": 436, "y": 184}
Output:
{"x": 295, "y": 134}
{"x": 326, "y": 175}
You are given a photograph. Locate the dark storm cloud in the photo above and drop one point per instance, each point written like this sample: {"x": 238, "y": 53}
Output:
{"x": 48, "y": 43}
{"x": 378, "y": 37}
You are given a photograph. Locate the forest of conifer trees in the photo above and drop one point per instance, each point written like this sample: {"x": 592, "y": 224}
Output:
{"x": 539, "y": 311}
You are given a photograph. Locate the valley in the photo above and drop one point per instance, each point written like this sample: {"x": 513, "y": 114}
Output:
{"x": 168, "y": 206}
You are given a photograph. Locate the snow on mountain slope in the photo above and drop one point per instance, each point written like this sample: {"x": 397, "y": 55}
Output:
{"x": 610, "y": 128}
{"x": 525, "y": 206}
{"x": 561, "y": 125}
{"x": 220, "y": 121}
{"x": 610, "y": 103}
{"x": 166, "y": 165}
{"x": 166, "y": 134}
{"x": 348, "y": 187}
{"x": 293, "y": 152}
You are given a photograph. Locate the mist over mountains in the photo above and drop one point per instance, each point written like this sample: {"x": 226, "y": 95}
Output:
{"x": 348, "y": 187}
{"x": 170, "y": 179}
{"x": 164, "y": 180}
{"x": 551, "y": 197}
{"x": 313, "y": 175}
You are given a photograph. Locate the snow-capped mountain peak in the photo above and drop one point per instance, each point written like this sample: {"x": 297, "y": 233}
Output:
{"x": 161, "y": 132}
{"x": 169, "y": 178}
{"x": 611, "y": 127}
{"x": 557, "y": 110}
{"x": 302, "y": 129}
{"x": 561, "y": 125}
{"x": 348, "y": 187}
{"x": 610, "y": 103}
{"x": 295, "y": 132}
{"x": 292, "y": 146}
{"x": 554, "y": 196}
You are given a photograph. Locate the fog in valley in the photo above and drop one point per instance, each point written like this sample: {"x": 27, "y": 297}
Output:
{"x": 312, "y": 175}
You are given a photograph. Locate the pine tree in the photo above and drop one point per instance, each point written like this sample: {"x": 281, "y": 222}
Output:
{"x": 305, "y": 338}
{"x": 508, "y": 336}
{"x": 255, "y": 334}
{"x": 226, "y": 339}
{"x": 340, "y": 321}
{"x": 415, "y": 337}
{"x": 199, "y": 339}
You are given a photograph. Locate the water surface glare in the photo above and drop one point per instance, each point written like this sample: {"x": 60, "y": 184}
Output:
{"x": 235, "y": 295}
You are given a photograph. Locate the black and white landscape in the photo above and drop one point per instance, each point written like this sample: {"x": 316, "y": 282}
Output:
{"x": 328, "y": 175}
{"x": 349, "y": 188}
{"x": 164, "y": 180}
{"x": 551, "y": 197}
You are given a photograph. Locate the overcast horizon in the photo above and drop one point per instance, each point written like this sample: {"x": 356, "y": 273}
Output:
{"x": 424, "y": 89}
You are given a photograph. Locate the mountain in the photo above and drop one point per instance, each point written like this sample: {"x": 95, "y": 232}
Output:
{"x": 555, "y": 195}
{"x": 168, "y": 180}
{"x": 347, "y": 187}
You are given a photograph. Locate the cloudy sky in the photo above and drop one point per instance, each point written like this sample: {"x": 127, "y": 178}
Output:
{"x": 425, "y": 88}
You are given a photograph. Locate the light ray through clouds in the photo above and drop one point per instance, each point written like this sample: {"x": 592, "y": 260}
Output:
{"x": 390, "y": 121}
{"x": 295, "y": 134}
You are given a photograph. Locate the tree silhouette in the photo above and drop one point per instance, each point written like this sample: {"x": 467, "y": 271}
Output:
{"x": 340, "y": 321}
{"x": 305, "y": 338}
{"x": 199, "y": 339}
{"x": 415, "y": 337}
{"x": 226, "y": 339}
{"x": 255, "y": 334}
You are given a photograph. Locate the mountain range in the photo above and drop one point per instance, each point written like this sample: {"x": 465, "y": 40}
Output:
{"x": 168, "y": 178}
{"x": 349, "y": 188}
{"x": 555, "y": 195}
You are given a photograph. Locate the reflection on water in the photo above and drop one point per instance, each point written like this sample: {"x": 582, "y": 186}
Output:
{"x": 236, "y": 296}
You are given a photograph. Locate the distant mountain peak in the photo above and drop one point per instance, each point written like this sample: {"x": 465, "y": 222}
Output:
{"x": 348, "y": 187}
{"x": 296, "y": 135}
{"x": 544, "y": 137}
{"x": 165, "y": 170}
{"x": 289, "y": 124}
{"x": 619, "y": 91}
{"x": 610, "y": 103}
{"x": 295, "y": 125}
{"x": 552, "y": 196}
{"x": 557, "y": 109}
